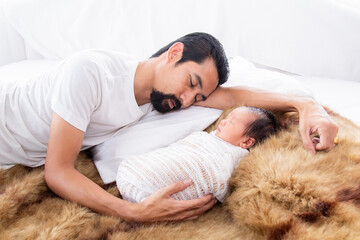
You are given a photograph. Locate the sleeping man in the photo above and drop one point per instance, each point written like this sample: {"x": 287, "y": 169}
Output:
{"x": 207, "y": 159}
{"x": 91, "y": 95}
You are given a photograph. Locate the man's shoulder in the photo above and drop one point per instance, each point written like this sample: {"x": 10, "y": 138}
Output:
{"x": 109, "y": 62}
{"x": 101, "y": 55}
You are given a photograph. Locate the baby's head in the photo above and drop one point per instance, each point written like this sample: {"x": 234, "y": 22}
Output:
{"x": 246, "y": 126}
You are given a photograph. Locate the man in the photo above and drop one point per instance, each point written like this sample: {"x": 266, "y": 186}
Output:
{"x": 89, "y": 96}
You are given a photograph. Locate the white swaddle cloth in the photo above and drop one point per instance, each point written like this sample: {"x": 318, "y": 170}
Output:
{"x": 206, "y": 159}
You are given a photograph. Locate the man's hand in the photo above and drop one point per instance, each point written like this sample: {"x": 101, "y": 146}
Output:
{"x": 313, "y": 118}
{"x": 160, "y": 206}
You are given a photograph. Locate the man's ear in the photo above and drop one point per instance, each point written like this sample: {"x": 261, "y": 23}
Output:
{"x": 248, "y": 143}
{"x": 175, "y": 52}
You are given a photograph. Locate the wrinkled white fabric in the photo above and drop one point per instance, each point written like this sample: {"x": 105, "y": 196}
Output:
{"x": 206, "y": 159}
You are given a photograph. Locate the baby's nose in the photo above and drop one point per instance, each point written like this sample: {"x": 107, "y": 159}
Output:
{"x": 223, "y": 122}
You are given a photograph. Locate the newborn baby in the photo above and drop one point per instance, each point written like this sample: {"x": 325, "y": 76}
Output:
{"x": 208, "y": 159}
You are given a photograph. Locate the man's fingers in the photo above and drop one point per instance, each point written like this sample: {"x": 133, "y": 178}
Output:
{"x": 306, "y": 138}
{"x": 195, "y": 213}
{"x": 196, "y": 203}
{"x": 176, "y": 187}
{"x": 326, "y": 140}
{"x": 313, "y": 118}
{"x": 324, "y": 143}
{"x": 188, "y": 208}
{"x": 192, "y": 218}
{"x": 161, "y": 207}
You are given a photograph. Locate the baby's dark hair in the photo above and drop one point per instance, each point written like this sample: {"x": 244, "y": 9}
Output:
{"x": 263, "y": 126}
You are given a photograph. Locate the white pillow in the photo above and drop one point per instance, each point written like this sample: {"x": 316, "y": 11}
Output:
{"x": 12, "y": 46}
{"x": 154, "y": 130}
{"x": 25, "y": 70}
{"x": 245, "y": 73}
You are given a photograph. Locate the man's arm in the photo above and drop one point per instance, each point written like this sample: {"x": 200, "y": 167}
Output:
{"x": 61, "y": 176}
{"x": 313, "y": 117}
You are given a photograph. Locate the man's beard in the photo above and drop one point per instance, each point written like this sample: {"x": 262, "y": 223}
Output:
{"x": 160, "y": 101}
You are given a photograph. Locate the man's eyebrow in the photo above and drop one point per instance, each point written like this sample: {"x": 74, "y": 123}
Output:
{"x": 199, "y": 80}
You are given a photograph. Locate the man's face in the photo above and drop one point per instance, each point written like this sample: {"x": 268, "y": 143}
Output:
{"x": 182, "y": 85}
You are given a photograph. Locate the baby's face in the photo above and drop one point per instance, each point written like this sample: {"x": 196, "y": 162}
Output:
{"x": 231, "y": 129}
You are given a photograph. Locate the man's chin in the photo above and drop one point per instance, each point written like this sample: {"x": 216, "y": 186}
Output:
{"x": 165, "y": 109}
{"x": 162, "y": 109}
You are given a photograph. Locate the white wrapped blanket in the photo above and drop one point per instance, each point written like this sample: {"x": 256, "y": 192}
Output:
{"x": 206, "y": 159}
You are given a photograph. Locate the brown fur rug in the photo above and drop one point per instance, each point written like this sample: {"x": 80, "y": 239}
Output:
{"x": 279, "y": 191}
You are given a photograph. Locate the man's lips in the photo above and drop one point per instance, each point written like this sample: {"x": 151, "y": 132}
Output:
{"x": 171, "y": 103}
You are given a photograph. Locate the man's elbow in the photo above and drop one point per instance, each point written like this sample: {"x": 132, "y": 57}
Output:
{"x": 49, "y": 175}
{"x": 53, "y": 173}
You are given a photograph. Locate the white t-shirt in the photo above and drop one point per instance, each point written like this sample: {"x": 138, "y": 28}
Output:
{"x": 93, "y": 90}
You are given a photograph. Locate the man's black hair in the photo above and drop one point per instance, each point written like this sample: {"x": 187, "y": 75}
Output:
{"x": 198, "y": 47}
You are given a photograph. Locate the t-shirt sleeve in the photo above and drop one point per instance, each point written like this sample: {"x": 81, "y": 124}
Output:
{"x": 74, "y": 96}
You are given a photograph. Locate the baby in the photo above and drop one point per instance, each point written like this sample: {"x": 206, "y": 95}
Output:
{"x": 208, "y": 159}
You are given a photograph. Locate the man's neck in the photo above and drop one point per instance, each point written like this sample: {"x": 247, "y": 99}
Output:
{"x": 143, "y": 82}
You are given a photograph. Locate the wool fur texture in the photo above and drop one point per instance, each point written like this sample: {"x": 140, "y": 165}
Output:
{"x": 279, "y": 191}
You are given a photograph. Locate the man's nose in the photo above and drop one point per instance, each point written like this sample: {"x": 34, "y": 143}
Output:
{"x": 187, "y": 98}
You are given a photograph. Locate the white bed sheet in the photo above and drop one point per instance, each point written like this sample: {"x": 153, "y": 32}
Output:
{"x": 341, "y": 96}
